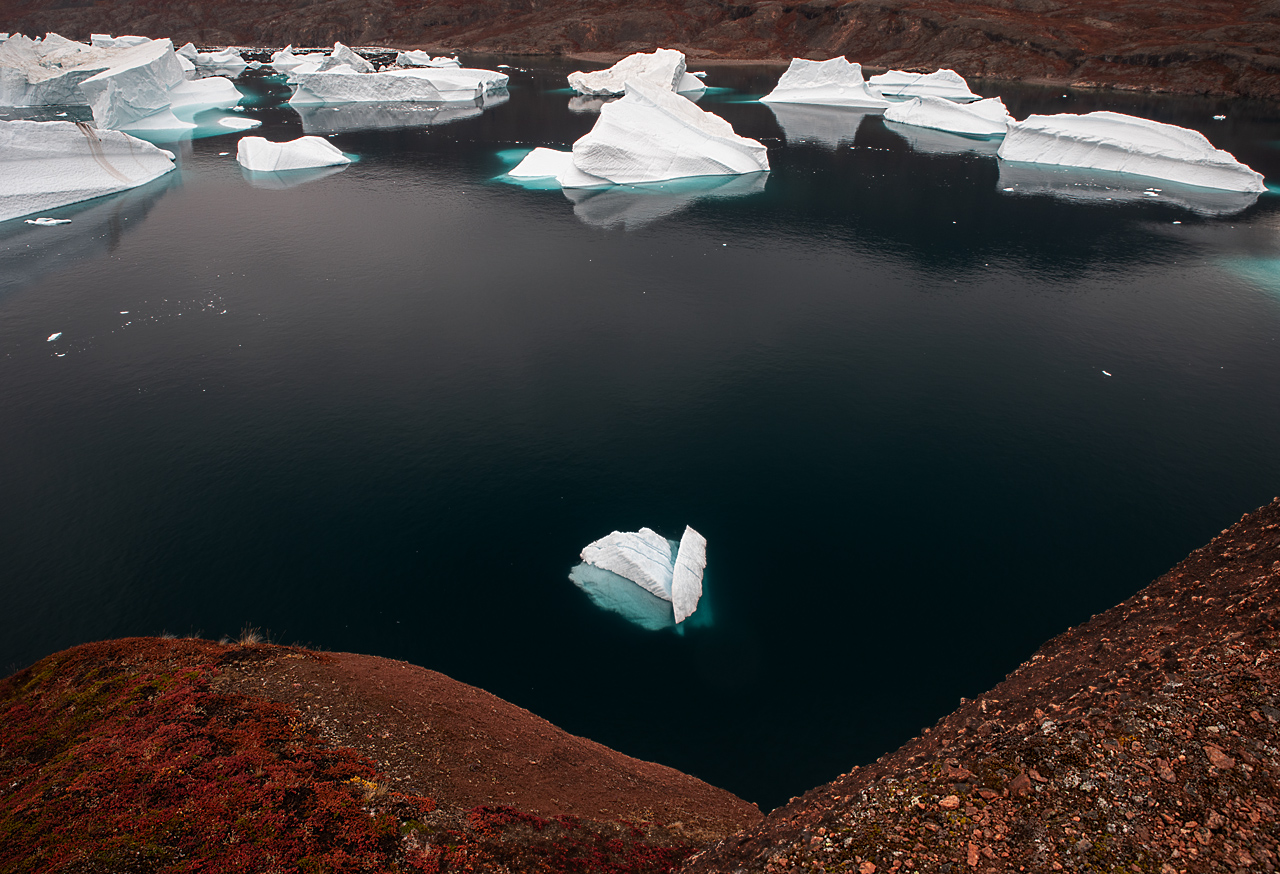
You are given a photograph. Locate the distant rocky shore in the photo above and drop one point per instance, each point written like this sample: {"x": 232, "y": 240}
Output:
{"x": 1146, "y": 740}
{"x": 1225, "y": 48}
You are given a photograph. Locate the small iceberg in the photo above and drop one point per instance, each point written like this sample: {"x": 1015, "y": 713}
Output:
{"x": 1126, "y": 144}
{"x": 47, "y": 164}
{"x": 830, "y": 83}
{"x": 48, "y": 222}
{"x": 422, "y": 59}
{"x": 985, "y": 118}
{"x": 227, "y": 59}
{"x": 662, "y": 68}
{"x": 285, "y": 60}
{"x": 264, "y": 156}
{"x": 649, "y": 580}
{"x": 946, "y": 84}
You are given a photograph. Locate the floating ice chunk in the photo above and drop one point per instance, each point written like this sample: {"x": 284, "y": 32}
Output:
{"x": 47, "y": 72}
{"x": 686, "y": 580}
{"x": 227, "y": 59}
{"x": 422, "y": 84}
{"x": 213, "y": 91}
{"x": 232, "y": 122}
{"x": 1109, "y": 187}
{"x": 653, "y": 134}
{"x": 53, "y": 337}
{"x": 542, "y": 163}
{"x": 285, "y": 60}
{"x": 985, "y": 118}
{"x": 1125, "y": 144}
{"x": 691, "y": 84}
{"x": 106, "y": 41}
{"x": 422, "y": 59}
{"x": 609, "y": 591}
{"x": 343, "y": 56}
{"x": 827, "y": 126}
{"x": 47, "y": 164}
{"x": 947, "y": 84}
{"x": 48, "y": 222}
{"x": 833, "y": 83}
{"x": 257, "y": 153}
{"x": 643, "y": 556}
{"x": 137, "y": 84}
{"x": 662, "y": 68}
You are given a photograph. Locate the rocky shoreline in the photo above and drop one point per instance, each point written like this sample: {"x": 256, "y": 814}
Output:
{"x": 1145, "y": 740}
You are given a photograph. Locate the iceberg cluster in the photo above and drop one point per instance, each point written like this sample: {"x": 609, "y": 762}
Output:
{"x": 946, "y": 84}
{"x": 661, "y": 68}
{"x": 985, "y": 118}
{"x": 831, "y": 83}
{"x": 47, "y": 164}
{"x": 304, "y": 153}
{"x": 1126, "y": 144}
{"x": 645, "y": 577}
{"x": 227, "y": 59}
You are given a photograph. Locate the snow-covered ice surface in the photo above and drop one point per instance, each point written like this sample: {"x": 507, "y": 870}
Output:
{"x": 1127, "y": 144}
{"x": 542, "y": 163}
{"x": 47, "y": 164}
{"x": 651, "y": 135}
{"x": 632, "y": 207}
{"x": 422, "y": 84}
{"x": 984, "y": 118}
{"x": 947, "y": 84}
{"x": 833, "y": 83}
{"x": 210, "y": 92}
{"x": 686, "y": 580}
{"x": 136, "y": 85}
{"x": 662, "y": 68}
{"x": 826, "y": 126}
{"x": 1106, "y": 186}
{"x": 262, "y": 155}
{"x": 422, "y": 59}
{"x": 643, "y": 556}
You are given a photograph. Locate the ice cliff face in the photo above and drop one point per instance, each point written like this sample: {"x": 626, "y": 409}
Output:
{"x": 833, "y": 83}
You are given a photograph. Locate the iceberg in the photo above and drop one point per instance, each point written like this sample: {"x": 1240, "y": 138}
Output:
{"x": 106, "y": 41}
{"x": 285, "y": 60}
{"x": 831, "y": 83}
{"x": 210, "y": 92}
{"x": 422, "y": 59}
{"x": 542, "y": 163}
{"x": 652, "y": 134}
{"x": 227, "y": 59}
{"x": 47, "y": 72}
{"x": 1078, "y": 185}
{"x": 826, "y": 126}
{"x": 1126, "y": 144}
{"x": 985, "y": 118}
{"x": 686, "y": 580}
{"x": 257, "y": 153}
{"x": 136, "y": 85}
{"x": 341, "y": 56}
{"x": 662, "y": 68}
{"x": 643, "y": 556}
{"x": 420, "y": 84}
{"x": 947, "y": 84}
{"x": 47, "y": 164}
{"x": 691, "y": 83}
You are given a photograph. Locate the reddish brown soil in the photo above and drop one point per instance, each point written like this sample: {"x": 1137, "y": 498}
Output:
{"x": 1223, "y": 47}
{"x": 1146, "y": 740}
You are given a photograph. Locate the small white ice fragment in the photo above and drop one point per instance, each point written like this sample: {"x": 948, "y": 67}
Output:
{"x": 1104, "y": 373}
{"x": 223, "y": 154}
{"x": 53, "y": 337}
{"x": 1219, "y": 118}
{"x": 1177, "y": 223}
{"x": 48, "y": 222}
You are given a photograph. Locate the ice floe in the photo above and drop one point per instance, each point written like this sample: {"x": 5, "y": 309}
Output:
{"x": 1126, "y": 144}
{"x": 947, "y": 84}
{"x": 47, "y": 164}
{"x": 661, "y": 68}
{"x": 421, "y": 84}
{"x": 648, "y": 579}
{"x": 136, "y": 85}
{"x": 653, "y": 134}
{"x": 836, "y": 82}
{"x": 1080, "y": 185}
{"x": 985, "y": 118}
{"x": 262, "y": 155}
{"x": 422, "y": 59}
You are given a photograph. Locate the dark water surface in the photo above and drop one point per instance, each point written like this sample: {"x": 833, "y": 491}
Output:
{"x": 383, "y": 410}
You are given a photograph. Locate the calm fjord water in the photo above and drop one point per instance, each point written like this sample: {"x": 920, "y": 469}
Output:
{"x": 382, "y": 411}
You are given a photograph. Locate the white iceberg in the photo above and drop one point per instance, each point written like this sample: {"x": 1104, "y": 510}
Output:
{"x": 106, "y": 41}
{"x": 47, "y": 164}
{"x": 643, "y": 556}
{"x": 947, "y": 84}
{"x": 1108, "y": 187}
{"x": 826, "y": 126}
{"x": 831, "y": 83}
{"x": 423, "y": 84}
{"x": 262, "y": 155}
{"x": 686, "y": 579}
{"x": 341, "y": 56}
{"x": 662, "y": 68}
{"x": 652, "y": 134}
{"x": 285, "y": 60}
{"x": 691, "y": 83}
{"x": 1126, "y": 144}
{"x": 985, "y": 118}
{"x": 227, "y": 59}
{"x": 47, "y": 72}
{"x": 136, "y": 85}
{"x": 210, "y": 92}
{"x": 542, "y": 163}
{"x": 422, "y": 59}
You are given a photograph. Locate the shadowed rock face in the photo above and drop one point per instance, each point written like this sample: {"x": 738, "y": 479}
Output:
{"x": 1229, "y": 47}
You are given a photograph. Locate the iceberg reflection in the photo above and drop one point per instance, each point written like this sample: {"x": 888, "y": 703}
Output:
{"x": 937, "y": 142}
{"x": 335, "y": 118}
{"x": 279, "y": 180}
{"x": 1106, "y": 186}
{"x": 634, "y": 206}
{"x": 827, "y": 126}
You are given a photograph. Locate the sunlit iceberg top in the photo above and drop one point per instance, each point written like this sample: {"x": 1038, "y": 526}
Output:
{"x": 835, "y": 83}
{"x": 256, "y": 153}
{"x": 985, "y": 118}
{"x": 1126, "y": 144}
{"x": 947, "y": 84}
{"x": 662, "y": 68}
